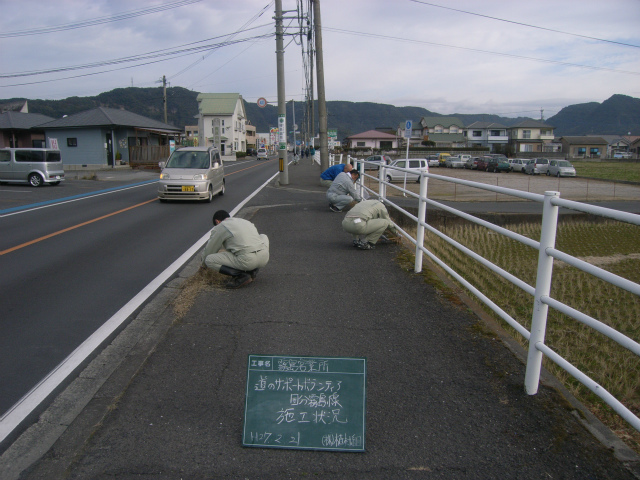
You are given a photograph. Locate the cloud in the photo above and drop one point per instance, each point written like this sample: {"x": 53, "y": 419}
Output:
{"x": 401, "y": 52}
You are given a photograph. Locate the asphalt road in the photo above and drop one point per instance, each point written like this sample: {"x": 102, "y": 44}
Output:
{"x": 72, "y": 255}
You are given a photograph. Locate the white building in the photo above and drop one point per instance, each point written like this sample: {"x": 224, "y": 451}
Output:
{"x": 221, "y": 122}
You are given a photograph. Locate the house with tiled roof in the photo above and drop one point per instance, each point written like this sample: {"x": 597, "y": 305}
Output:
{"x": 17, "y": 129}
{"x": 487, "y": 134}
{"x": 96, "y": 137}
{"x": 373, "y": 139}
{"x": 584, "y": 147}
{"x": 444, "y": 131}
{"x": 222, "y": 122}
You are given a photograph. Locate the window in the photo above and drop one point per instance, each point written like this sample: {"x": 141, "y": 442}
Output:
{"x": 360, "y": 144}
{"x": 477, "y": 133}
{"x": 526, "y": 134}
{"x": 453, "y": 129}
{"x": 72, "y": 142}
{"x": 5, "y": 155}
{"x": 496, "y": 133}
{"x": 594, "y": 152}
{"x": 582, "y": 150}
{"x": 527, "y": 148}
{"x": 29, "y": 156}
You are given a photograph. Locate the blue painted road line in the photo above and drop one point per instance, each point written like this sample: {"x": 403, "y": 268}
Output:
{"x": 73, "y": 197}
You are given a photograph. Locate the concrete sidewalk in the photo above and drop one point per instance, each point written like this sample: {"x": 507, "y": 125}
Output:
{"x": 445, "y": 396}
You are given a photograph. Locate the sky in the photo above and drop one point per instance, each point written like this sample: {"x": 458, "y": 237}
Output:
{"x": 511, "y": 58}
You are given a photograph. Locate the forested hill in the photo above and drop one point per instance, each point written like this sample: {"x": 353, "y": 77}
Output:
{"x": 619, "y": 114}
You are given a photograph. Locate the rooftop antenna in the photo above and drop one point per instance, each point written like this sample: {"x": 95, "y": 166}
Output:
{"x": 542, "y": 115}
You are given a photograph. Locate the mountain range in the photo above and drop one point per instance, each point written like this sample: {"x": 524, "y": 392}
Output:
{"x": 618, "y": 115}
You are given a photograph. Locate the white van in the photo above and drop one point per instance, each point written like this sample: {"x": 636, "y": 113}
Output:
{"x": 35, "y": 166}
{"x": 191, "y": 173}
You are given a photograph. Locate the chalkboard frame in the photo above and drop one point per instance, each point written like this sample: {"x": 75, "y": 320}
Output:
{"x": 271, "y": 419}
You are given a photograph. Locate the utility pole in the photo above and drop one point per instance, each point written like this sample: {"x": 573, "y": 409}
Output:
{"x": 322, "y": 103}
{"x": 164, "y": 94}
{"x": 282, "y": 103}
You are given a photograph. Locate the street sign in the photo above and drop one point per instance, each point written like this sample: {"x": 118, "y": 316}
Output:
{"x": 282, "y": 132}
{"x": 408, "y": 127}
{"x": 311, "y": 403}
{"x": 262, "y": 102}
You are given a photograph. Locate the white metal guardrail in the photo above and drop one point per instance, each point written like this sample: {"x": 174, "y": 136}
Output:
{"x": 542, "y": 300}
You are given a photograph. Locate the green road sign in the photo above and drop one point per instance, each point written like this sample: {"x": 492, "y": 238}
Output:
{"x": 312, "y": 403}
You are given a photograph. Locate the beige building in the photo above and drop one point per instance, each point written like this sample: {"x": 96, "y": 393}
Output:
{"x": 222, "y": 122}
{"x": 531, "y": 136}
{"x": 584, "y": 147}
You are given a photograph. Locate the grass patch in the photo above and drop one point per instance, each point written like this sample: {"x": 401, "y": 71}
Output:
{"x": 613, "y": 246}
{"x": 609, "y": 170}
{"x": 202, "y": 280}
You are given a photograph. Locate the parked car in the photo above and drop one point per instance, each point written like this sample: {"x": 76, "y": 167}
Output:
{"x": 482, "y": 163}
{"x": 537, "y": 166}
{"x": 443, "y": 158}
{"x": 376, "y": 161}
{"x": 518, "y": 164}
{"x": 262, "y": 153}
{"x": 622, "y": 155}
{"x": 472, "y": 163}
{"x": 561, "y": 168}
{"x": 35, "y": 166}
{"x": 415, "y": 165}
{"x": 498, "y": 164}
{"x": 454, "y": 161}
{"x": 496, "y": 155}
{"x": 191, "y": 173}
{"x": 433, "y": 160}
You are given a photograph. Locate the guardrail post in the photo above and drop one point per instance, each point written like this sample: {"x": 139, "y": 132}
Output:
{"x": 382, "y": 188}
{"x": 543, "y": 287}
{"x": 422, "y": 218}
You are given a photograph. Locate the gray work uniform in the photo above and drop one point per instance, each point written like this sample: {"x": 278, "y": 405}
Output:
{"x": 369, "y": 219}
{"x": 342, "y": 191}
{"x": 246, "y": 249}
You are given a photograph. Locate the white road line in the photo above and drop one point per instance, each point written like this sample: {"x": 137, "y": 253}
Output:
{"x": 19, "y": 412}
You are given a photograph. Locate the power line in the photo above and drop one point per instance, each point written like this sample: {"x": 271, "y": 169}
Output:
{"x": 525, "y": 24}
{"x": 488, "y": 52}
{"x": 243, "y": 28}
{"x": 181, "y": 49}
{"x": 149, "y": 57}
{"x": 98, "y": 21}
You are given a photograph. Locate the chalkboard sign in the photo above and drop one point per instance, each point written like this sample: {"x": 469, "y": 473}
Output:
{"x": 313, "y": 403}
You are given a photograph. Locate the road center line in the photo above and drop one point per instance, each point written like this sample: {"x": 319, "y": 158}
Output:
{"x": 37, "y": 240}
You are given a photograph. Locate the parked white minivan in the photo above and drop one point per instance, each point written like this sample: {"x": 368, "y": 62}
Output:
{"x": 35, "y": 166}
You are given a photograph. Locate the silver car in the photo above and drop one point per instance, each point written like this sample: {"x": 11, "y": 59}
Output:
{"x": 374, "y": 162}
{"x": 561, "y": 168}
{"x": 518, "y": 164}
{"x": 262, "y": 153}
{"x": 191, "y": 173}
{"x": 536, "y": 166}
{"x": 35, "y": 166}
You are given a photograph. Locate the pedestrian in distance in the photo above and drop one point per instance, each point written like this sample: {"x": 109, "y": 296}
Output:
{"x": 342, "y": 191}
{"x": 235, "y": 248}
{"x": 367, "y": 222}
{"x": 329, "y": 175}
